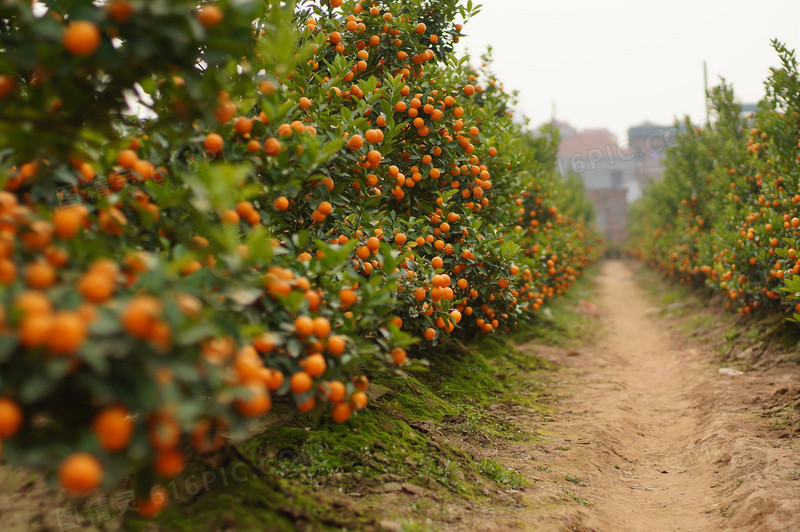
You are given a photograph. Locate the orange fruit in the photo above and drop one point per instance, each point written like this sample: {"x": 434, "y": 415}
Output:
{"x": 8, "y": 271}
{"x": 361, "y": 382}
{"x": 96, "y": 287}
{"x": 67, "y": 222}
{"x": 336, "y": 344}
{"x": 259, "y": 402}
{"x": 113, "y": 428}
{"x": 81, "y": 38}
{"x": 399, "y": 355}
{"x": 430, "y": 334}
{"x": 67, "y": 333}
{"x": 127, "y": 159}
{"x": 341, "y": 412}
{"x": 153, "y": 504}
{"x": 300, "y": 382}
{"x": 335, "y": 391}
{"x": 358, "y": 400}
{"x": 314, "y": 365}
{"x": 34, "y": 329}
{"x": 120, "y": 11}
{"x": 40, "y": 275}
{"x": 355, "y": 142}
{"x": 140, "y": 316}
{"x": 10, "y": 418}
{"x": 169, "y": 463}
{"x": 213, "y": 143}
{"x": 347, "y": 297}
{"x": 247, "y": 364}
{"x": 304, "y": 326}
{"x": 281, "y": 203}
{"x": 33, "y": 302}
{"x": 322, "y": 327}
{"x": 209, "y": 15}
{"x": 80, "y": 473}
{"x": 265, "y": 342}
{"x": 164, "y": 432}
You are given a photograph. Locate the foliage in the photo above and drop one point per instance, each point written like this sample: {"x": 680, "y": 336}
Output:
{"x": 209, "y": 208}
{"x": 726, "y": 212}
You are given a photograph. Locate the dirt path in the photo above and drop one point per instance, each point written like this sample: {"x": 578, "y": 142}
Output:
{"x": 648, "y": 435}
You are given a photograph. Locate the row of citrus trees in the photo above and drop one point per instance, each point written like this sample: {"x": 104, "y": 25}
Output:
{"x": 727, "y": 211}
{"x": 208, "y": 208}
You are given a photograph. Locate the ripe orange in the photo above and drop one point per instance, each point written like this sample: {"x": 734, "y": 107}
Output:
{"x": 169, "y": 463}
{"x": 259, "y": 402}
{"x": 213, "y": 143}
{"x": 374, "y": 157}
{"x": 358, "y": 400}
{"x": 34, "y": 329}
{"x": 164, "y": 433}
{"x": 67, "y": 222}
{"x": 304, "y": 326}
{"x": 361, "y": 382}
{"x": 81, "y": 38}
{"x": 140, "y": 315}
{"x": 96, "y": 287}
{"x": 209, "y": 15}
{"x": 153, "y": 504}
{"x": 67, "y": 333}
{"x": 33, "y": 302}
{"x": 322, "y": 327}
{"x": 314, "y": 365}
{"x": 355, "y": 142}
{"x": 10, "y": 418}
{"x": 430, "y": 334}
{"x": 347, "y": 297}
{"x": 40, "y": 275}
{"x": 300, "y": 382}
{"x": 281, "y": 203}
{"x": 127, "y": 159}
{"x": 336, "y": 344}
{"x": 265, "y": 342}
{"x": 341, "y": 412}
{"x": 8, "y": 271}
{"x": 335, "y": 391}
{"x": 113, "y": 428}
{"x": 80, "y": 473}
{"x": 399, "y": 355}
{"x": 120, "y": 11}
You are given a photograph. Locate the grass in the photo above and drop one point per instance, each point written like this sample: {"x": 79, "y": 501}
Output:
{"x": 575, "y": 480}
{"x": 576, "y": 498}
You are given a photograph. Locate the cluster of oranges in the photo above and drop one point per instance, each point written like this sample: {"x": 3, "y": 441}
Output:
{"x": 737, "y": 225}
{"x": 305, "y": 228}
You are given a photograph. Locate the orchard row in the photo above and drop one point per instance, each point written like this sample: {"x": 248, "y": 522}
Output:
{"x": 202, "y": 214}
{"x": 727, "y": 211}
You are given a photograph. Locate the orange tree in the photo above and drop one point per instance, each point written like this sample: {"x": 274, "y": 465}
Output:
{"x": 726, "y": 213}
{"x": 206, "y": 208}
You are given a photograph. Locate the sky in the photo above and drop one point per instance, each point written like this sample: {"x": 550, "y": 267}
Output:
{"x": 617, "y": 63}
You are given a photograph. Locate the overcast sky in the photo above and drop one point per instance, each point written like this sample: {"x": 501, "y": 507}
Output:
{"x": 617, "y": 63}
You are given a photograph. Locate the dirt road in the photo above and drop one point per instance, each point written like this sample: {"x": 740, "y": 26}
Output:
{"x": 649, "y": 435}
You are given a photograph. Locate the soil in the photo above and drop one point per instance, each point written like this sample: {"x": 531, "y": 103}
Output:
{"x": 648, "y": 434}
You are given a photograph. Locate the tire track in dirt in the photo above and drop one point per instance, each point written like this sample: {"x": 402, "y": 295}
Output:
{"x": 648, "y": 435}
